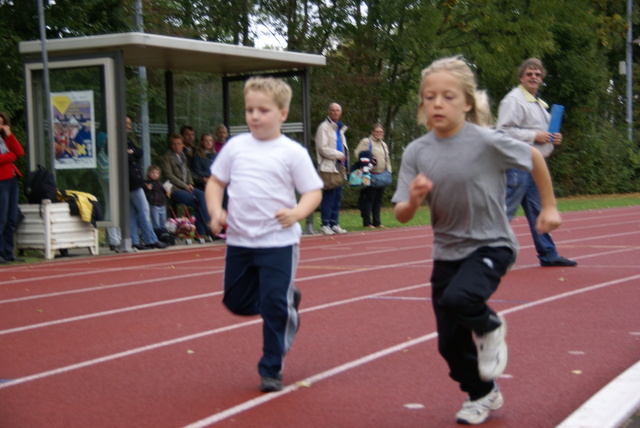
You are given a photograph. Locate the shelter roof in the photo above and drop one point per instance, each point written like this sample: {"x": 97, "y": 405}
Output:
{"x": 175, "y": 53}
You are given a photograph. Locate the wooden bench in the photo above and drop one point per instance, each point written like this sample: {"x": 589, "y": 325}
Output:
{"x": 50, "y": 227}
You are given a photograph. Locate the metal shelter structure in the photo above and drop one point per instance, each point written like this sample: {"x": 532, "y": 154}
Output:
{"x": 96, "y": 67}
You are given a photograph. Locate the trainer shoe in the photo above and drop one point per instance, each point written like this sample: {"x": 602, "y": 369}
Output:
{"x": 270, "y": 384}
{"x": 560, "y": 261}
{"x": 337, "y": 229}
{"x": 326, "y": 230}
{"x": 492, "y": 352}
{"x": 476, "y": 412}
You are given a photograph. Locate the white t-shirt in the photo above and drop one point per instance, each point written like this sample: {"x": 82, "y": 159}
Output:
{"x": 262, "y": 177}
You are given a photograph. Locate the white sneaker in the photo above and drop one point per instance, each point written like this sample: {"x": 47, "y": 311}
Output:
{"x": 326, "y": 230}
{"x": 476, "y": 412}
{"x": 492, "y": 352}
{"x": 338, "y": 229}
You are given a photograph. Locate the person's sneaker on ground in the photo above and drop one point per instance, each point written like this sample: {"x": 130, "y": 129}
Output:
{"x": 492, "y": 351}
{"x": 337, "y": 229}
{"x": 560, "y": 261}
{"x": 326, "y": 230}
{"x": 476, "y": 412}
{"x": 270, "y": 384}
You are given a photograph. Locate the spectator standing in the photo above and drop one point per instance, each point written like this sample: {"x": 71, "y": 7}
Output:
{"x": 524, "y": 116}
{"x": 332, "y": 152}
{"x": 10, "y": 151}
{"x": 371, "y": 197}
{"x": 264, "y": 170}
{"x": 139, "y": 215}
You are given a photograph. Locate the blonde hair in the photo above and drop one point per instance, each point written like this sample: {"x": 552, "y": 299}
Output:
{"x": 480, "y": 112}
{"x": 484, "y": 116}
{"x": 277, "y": 89}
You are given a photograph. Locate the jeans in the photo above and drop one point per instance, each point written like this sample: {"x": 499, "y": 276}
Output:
{"x": 522, "y": 190}
{"x": 8, "y": 216}
{"x": 139, "y": 219}
{"x": 197, "y": 202}
{"x": 158, "y": 216}
{"x": 330, "y": 207}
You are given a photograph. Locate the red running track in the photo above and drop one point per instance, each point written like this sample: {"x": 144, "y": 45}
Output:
{"x": 142, "y": 340}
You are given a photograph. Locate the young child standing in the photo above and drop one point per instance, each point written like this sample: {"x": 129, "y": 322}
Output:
{"x": 263, "y": 170}
{"x": 458, "y": 167}
{"x": 157, "y": 197}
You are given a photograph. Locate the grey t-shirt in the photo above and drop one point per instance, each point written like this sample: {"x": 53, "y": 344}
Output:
{"x": 467, "y": 201}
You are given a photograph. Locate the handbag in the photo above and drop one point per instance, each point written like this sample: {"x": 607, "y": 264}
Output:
{"x": 359, "y": 178}
{"x": 333, "y": 180}
{"x": 382, "y": 179}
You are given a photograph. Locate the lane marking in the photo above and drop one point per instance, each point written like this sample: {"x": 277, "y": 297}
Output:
{"x": 249, "y": 404}
{"x": 182, "y": 339}
{"x": 154, "y": 281}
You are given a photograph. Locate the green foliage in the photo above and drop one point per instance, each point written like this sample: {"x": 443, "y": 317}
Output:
{"x": 375, "y": 51}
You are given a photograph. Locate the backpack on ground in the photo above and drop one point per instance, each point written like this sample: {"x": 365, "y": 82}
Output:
{"x": 39, "y": 185}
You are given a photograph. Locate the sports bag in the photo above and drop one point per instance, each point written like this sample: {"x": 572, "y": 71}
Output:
{"x": 39, "y": 185}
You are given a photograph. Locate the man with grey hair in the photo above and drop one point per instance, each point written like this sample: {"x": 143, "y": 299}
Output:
{"x": 333, "y": 158}
{"x": 524, "y": 116}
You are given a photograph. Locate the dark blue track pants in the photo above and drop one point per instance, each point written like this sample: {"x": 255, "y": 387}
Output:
{"x": 260, "y": 281}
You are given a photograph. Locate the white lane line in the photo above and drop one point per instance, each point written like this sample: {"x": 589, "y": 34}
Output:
{"x": 181, "y": 276}
{"x": 248, "y": 405}
{"x": 164, "y": 302}
{"x": 315, "y": 277}
{"x": 305, "y": 263}
{"x": 106, "y": 313}
{"x": 395, "y": 238}
{"x": 182, "y": 339}
{"x": 107, "y": 287}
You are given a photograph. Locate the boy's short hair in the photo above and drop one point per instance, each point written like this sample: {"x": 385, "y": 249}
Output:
{"x": 277, "y": 89}
{"x": 153, "y": 168}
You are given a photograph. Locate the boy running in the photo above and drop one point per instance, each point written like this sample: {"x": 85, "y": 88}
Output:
{"x": 263, "y": 170}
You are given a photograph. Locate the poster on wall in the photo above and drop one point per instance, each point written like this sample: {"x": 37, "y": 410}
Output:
{"x": 73, "y": 129}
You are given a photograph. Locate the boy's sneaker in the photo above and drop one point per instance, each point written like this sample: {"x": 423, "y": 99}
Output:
{"x": 270, "y": 384}
{"x": 338, "y": 229}
{"x": 492, "y": 352}
{"x": 326, "y": 230}
{"x": 476, "y": 412}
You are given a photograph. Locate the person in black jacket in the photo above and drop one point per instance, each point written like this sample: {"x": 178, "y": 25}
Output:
{"x": 139, "y": 212}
